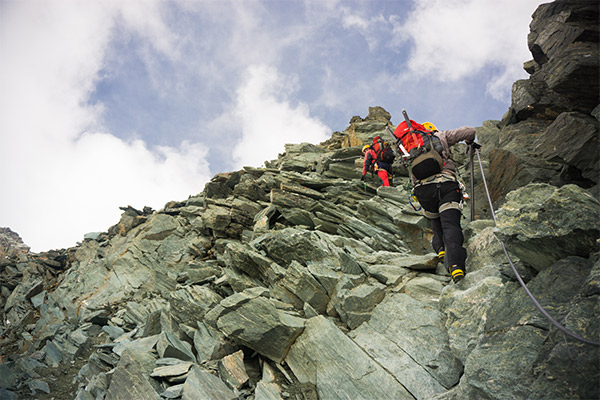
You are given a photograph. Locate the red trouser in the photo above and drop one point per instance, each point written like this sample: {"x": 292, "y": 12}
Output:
{"x": 383, "y": 175}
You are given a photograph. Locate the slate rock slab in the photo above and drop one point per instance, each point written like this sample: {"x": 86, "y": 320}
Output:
{"x": 541, "y": 223}
{"x": 324, "y": 356}
{"x": 201, "y": 384}
{"x": 255, "y": 321}
{"x": 417, "y": 329}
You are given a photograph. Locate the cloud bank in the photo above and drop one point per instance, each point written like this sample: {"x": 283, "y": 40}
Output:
{"x": 269, "y": 119}
{"x": 455, "y": 39}
{"x": 62, "y": 175}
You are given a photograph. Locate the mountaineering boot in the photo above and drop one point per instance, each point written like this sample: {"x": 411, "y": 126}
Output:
{"x": 457, "y": 273}
{"x": 441, "y": 255}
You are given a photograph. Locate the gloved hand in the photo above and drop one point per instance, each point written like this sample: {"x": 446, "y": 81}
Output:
{"x": 472, "y": 145}
{"x": 363, "y": 178}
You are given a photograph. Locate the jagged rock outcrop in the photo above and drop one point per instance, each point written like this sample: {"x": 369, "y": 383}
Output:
{"x": 297, "y": 281}
{"x": 551, "y": 131}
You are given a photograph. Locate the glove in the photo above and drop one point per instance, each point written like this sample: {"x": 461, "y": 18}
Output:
{"x": 472, "y": 145}
{"x": 363, "y": 178}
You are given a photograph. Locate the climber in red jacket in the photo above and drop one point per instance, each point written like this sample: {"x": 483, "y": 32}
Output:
{"x": 372, "y": 161}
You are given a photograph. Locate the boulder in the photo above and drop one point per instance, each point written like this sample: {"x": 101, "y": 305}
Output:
{"x": 256, "y": 322}
{"x": 201, "y": 384}
{"x": 541, "y": 224}
{"x": 517, "y": 339}
{"x": 571, "y": 140}
{"x": 417, "y": 331}
{"x": 233, "y": 370}
{"x": 130, "y": 381}
{"x": 315, "y": 358}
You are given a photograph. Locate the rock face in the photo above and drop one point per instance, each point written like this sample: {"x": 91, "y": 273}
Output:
{"x": 296, "y": 281}
{"x": 551, "y": 131}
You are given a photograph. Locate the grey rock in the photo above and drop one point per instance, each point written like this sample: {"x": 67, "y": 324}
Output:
{"x": 169, "y": 345}
{"x": 389, "y": 275}
{"x": 192, "y": 302}
{"x": 414, "y": 329}
{"x": 38, "y": 384}
{"x": 267, "y": 391}
{"x": 8, "y": 395}
{"x": 171, "y": 370}
{"x": 300, "y": 157}
{"x": 426, "y": 288}
{"x": 92, "y": 235}
{"x": 209, "y": 343}
{"x": 173, "y": 392}
{"x": 516, "y": 341}
{"x": 201, "y": 384}
{"x": 233, "y": 371}
{"x": 354, "y": 376}
{"x": 8, "y": 375}
{"x": 542, "y": 224}
{"x": 579, "y": 153}
{"x": 245, "y": 258}
{"x": 354, "y": 305}
{"x": 145, "y": 344}
{"x": 113, "y": 331}
{"x": 129, "y": 380}
{"x": 255, "y": 321}
{"x": 299, "y": 281}
{"x": 38, "y": 299}
{"x": 466, "y": 311}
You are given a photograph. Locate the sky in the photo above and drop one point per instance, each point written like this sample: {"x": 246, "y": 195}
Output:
{"x": 111, "y": 103}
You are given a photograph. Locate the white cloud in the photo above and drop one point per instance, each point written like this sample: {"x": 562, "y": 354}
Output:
{"x": 269, "y": 118}
{"x": 453, "y": 39}
{"x": 369, "y": 28}
{"x": 62, "y": 174}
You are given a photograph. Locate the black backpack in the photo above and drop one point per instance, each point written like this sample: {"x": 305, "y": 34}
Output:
{"x": 385, "y": 153}
{"x": 426, "y": 160}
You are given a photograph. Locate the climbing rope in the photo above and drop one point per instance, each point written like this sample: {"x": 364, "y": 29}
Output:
{"x": 537, "y": 304}
{"x": 342, "y": 159}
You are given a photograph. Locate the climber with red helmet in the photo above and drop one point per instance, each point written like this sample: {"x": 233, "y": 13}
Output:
{"x": 378, "y": 158}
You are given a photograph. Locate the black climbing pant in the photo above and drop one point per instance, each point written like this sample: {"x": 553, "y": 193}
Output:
{"x": 441, "y": 202}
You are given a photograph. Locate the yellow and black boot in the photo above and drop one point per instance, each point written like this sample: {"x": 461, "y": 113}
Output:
{"x": 457, "y": 273}
{"x": 441, "y": 255}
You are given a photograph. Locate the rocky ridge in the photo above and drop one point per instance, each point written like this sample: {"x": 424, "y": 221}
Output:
{"x": 296, "y": 281}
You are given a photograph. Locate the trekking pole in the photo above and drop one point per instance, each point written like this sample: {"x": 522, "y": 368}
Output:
{"x": 471, "y": 153}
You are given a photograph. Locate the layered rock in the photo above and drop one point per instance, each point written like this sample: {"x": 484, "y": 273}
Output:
{"x": 298, "y": 281}
{"x": 551, "y": 130}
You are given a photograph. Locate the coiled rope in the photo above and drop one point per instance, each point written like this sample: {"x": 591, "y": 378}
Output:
{"x": 537, "y": 304}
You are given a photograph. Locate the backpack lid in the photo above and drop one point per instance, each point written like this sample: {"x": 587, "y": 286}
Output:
{"x": 402, "y": 129}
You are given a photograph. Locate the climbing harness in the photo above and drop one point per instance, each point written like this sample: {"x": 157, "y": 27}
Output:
{"x": 533, "y": 299}
{"x": 411, "y": 198}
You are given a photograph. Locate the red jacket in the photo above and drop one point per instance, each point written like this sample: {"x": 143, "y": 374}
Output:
{"x": 370, "y": 159}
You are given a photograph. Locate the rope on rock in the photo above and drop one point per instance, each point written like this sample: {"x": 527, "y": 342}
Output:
{"x": 533, "y": 299}
{"x": 342, "y": 159}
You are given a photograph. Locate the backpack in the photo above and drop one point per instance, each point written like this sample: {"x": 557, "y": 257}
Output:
{"x": 384, "y": 150}
{"x": 424, "y": 149}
